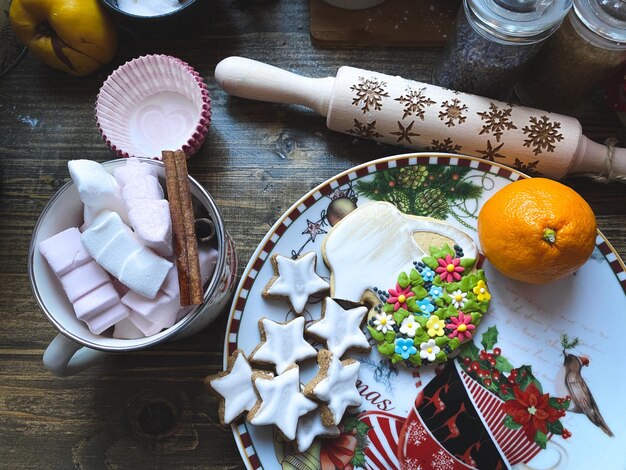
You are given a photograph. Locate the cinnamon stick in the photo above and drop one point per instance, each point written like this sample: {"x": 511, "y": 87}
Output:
{"x": 183, "y": 227}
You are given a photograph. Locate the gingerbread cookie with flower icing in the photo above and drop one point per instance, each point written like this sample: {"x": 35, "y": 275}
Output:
{"x": 417, "y": 275}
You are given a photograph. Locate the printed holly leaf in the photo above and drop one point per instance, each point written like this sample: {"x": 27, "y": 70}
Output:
{"x": 416, "y": 278}
{"x": 556, "y": 427}
{"x": 358, "y": 461}
{"x": 508, "y": 395}
{"x": 361, "y": 428}
{"x": 558, "y": 406}
{"x": 510, "y": 424}
{"x": 467, "y": 263}
{"x": 490, "y": 338}
{"x": 503, "y": 364}
{"x": 541, "y": 439}
{"x": 403, "y": 280}
{"x": 420, "y": 293}
{"x": 387, "y": 349}
{"x": 431, "y": 262}
{"x": 374, "y": 333}
{"x": 470, "y": 350}
{"x": 525, "y": 377}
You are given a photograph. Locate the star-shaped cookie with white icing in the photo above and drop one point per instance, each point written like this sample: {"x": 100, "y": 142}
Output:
{"x": 295, "y": 279}
{"x": 282, "y": 344}
{"x": 335, "y": 385}
{"x": 310, "y": 426}
{"x": 234, "y": 388}
{"x": 339, "y": 328}
{"x": 280, "y": 402}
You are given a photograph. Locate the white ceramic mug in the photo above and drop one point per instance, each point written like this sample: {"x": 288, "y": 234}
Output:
{"x": 75, "y": 348}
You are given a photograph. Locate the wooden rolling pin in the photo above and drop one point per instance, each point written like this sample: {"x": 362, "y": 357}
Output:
{"x": 417, "y": 115}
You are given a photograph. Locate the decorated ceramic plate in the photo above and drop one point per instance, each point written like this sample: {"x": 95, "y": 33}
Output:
{"x": 537, "y": 385}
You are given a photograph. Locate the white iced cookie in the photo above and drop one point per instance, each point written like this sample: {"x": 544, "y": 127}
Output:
{"x": 339, "y": 328}
{"x": 295, "y": 279}
{"x": 282, "y": 344}
{"x": 234, "y": 388}
{"x": 280, "y": 402}
{"x": 335, "y": 385}
{"x": 310, "y": 426}
{"x": 375, "y": 242}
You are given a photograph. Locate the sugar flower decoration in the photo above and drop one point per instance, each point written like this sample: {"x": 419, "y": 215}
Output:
{"x": 481, "y": 291}
{"x": 383, "y": 322}
{"x": 435, "y": 326}
{"x": 405, "y": 347}
{"x": 429, "y": 350}
{"x": 461, "y": 327}
{"x": 449, "y": 269}
{"x": 428, "y": 274}
{"x": 399, "y": 296}
{"x": 409, "y": 326}
{"x": 459, "y": 298}
{"x": 425, "y": 308}
{"x": 435, "y": 292}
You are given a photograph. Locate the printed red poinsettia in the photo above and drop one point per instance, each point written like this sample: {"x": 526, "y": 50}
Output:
{"x": 531, "y": 410}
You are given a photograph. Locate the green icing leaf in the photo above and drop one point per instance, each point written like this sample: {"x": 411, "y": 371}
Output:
{"x": 440, "y": 302}
{"x": 541, "y": 439}
{"x": 396, "y": 358}
{"x": 431, "y": 262}
{"x": 403, "y": 280}
{"x": 388, "y": 308}
{"x": 387, "y": 349}
{"x": 480, "y": 276}
{"x": 441, "y": 357}
{"x": 454, "y": 343}
{"x": 422, "y": 320}
{"x": 490, "y": 338}
{"x": 420, "y": 293}
{"x": 476, "y": 317}
{"x": 436, "y": 252}
{"x": 441, "y": 341}
{"x": 556, "y": 427}
{"x": 415, "y": 359}
{"x": 510, "y": 424}
{"x": 451, "y": 311}
{"x": 420, "y": 337}
{"x": 377, "y": 335}
{"x": 411, "y": 304}
{"x": 448, "y": 251}
{"x": 503, "y": 364}
{"x": 471, "y": 306}
{"x": 467, "y": 263}
{"x": 416, "y": 278}
{"x": 400, "y": 315}
{"x": 390, "y": 336}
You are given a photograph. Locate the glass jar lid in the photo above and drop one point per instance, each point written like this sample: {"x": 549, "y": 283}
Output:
{"x": 518, "y": 20}
{"x": 606, "y": 18}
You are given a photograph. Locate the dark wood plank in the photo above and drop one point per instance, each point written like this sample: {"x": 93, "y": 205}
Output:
{"x": 149, "y": 409}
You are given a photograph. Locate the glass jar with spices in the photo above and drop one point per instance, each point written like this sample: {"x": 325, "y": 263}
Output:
{"x": 493, "y": 40}
{"x": 578, "y": 58}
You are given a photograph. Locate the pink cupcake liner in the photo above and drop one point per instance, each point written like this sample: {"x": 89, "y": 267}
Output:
{"x": 153, "y": 103}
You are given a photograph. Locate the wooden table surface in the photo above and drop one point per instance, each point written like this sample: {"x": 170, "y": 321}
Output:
{"x": 150, "y": 409}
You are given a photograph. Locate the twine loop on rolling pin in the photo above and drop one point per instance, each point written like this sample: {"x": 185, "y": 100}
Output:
{"x": 608, "y": 176}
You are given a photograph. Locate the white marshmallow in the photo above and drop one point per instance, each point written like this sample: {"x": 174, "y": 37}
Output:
{"x": 141, "y": 189}
{"x": 126, "y": 329}
{"x": 153, "y": 225}
{"x": 133, "y": 169}
{"x": 114, "y": 246}
{"x": 97, "y": 189}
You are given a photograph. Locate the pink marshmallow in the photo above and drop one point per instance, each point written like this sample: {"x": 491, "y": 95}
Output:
{"x": 64, "y": 251}
{"x": 133, "y": 169}
{"x": 83, "y": 279}
{"x": 109, "y": 317}
{"x": 147, "y": 307}
{"x": 153, "y": 225}
{"x": 160, "y": 320}
{"x": 141, "y": 189}
{"x": 96, "y": 302}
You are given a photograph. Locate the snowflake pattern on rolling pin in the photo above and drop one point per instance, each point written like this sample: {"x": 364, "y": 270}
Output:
{"x": 453, "y": 111}
{"x": 446, "y": 145}
{"x": 491, "y": 152}
{"x": 542, "y": 134}
{"x": 365, "y": 130}
{"x": 415, "y": 102}
{"x": 496, "y": 121}
{"x": 529, "y": 168}
{"x": 404, "y": 133}
{"x": 369, "y": 93}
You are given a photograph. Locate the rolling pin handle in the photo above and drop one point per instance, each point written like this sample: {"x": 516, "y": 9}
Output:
{"x": 593, "y": 159}
{"x": 254, "y": 80}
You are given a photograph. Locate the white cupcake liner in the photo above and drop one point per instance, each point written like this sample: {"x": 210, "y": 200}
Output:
{"x": 153, "y": 103}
